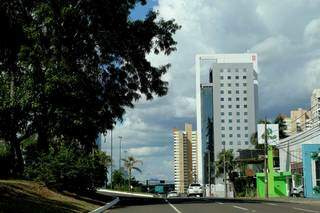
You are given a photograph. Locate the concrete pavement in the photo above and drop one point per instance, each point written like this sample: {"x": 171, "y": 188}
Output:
{"x": 214, "y": 205}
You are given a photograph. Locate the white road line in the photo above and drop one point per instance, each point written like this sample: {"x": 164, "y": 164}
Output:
{"x": 238, "y": 207}
{"x": 174, "y": 208}
{"x": 271, "y": 204}
{"x": 305, "y": 210}
{"x": 219, "y": 203}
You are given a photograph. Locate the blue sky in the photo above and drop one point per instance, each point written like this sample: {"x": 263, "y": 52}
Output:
{"x": 286, "y": 36}
{"x": 140, "y": 11}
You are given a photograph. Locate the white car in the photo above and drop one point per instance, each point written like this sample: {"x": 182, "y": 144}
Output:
{"x": 195, "y": 189}
{"x": 172, "y": 194}
{"x": 297, "y": 191}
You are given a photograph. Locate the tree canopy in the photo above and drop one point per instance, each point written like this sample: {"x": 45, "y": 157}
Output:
{"x": 69, "y": 69}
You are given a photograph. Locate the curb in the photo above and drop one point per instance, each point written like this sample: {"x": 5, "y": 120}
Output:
{"x": 107, "y": 206}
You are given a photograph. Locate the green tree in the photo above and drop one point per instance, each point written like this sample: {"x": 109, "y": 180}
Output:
{"x": 130, "y": 164}
{"x": 69, "y": 69}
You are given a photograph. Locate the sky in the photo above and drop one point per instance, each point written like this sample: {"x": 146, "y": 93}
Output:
{"x": 286, "y": 36}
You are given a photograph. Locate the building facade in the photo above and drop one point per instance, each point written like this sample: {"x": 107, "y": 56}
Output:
{"x": 300, "y": 120}
{"x": 185, "y": 158}
{"x": 315, "y": 107}
{"x": 234, "y": 104}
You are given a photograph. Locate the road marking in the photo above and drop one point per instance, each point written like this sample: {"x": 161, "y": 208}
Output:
{"x": 219, "y": 203}
{"x": 271, "y": 204}
{"x": 305, "y": 210}
{"x": 174, "y": 208}
{"x": 238, "y": 207}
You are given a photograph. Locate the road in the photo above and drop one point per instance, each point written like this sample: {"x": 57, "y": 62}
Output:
{"x": 215, "y": 205}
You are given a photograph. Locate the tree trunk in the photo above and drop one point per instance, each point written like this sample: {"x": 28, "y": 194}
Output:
{"x": 19, "y": 164}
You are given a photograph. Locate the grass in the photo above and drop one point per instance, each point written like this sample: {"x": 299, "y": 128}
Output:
{"x": 27, "y": 196}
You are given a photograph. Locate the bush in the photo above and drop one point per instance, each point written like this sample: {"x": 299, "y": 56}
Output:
{"x": 69, "y": 168}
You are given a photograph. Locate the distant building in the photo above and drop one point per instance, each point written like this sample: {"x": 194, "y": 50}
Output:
{"x": 287, "y": 123}
{"x": 300, "y": 120}
{"x": 185, "y": 158}
{"x": 315, "y": 107}
{"x": 230, "y": 98}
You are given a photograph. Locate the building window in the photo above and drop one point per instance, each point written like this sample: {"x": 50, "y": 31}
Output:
{"x": 221, "y": 70}
{"x": 246, "y": 120}
{"x": 221, "y": 99}
{"x": 230, "y": 120}
{"x": 244, "y": 77}
{"x": 229, "y": 77}
{"x": 237, "y": 70}
{"x": 237, "y": 84}
{"x": 245, "y": 98}
{"x": 221, "y": 77}
{"x": 230, "y": 106}
{"x": 223, "y": 128}
{"x": 230, "y": 135}
{"x": 222, "y": 106}
{"x": 222, "y": 120}
{"x": 239, "y": 135}
{"x": 238, "y": 127}
{"x": 237, "y": 99}
{"x": 221, "y": 92}
{"x": 246, "y": 135}
{"x": 245, "y": 106}
{"x": 246, "y": 142}
{"x": 238, "y": 120}
{"x": 238, "y": 113}
{"x": 246, "y": 128}
{"x": 245, "y": 113}
{"x": 222, "y": 113}
{"x": 223, "y": 143}
{"x": 223, "y": 135}
{"x": 231, "y": 143}
{"x": 229, "y": 85}
{"x": 317, "y": 165}
{"x": 237, "y": 91}
{"x": 230, "y": 113}
{"x": 244, "y": 84}
{"x": 245, "y": 91}
{"x": 221, "y": 85}
{"x": 244, "y": 69}
{"x": 230, "y": 127}
{"x": 229, "y": 92}
{"x": 237, "y": 106}
{"x": 237, "y": 77}
{"x": 229, "y": 99}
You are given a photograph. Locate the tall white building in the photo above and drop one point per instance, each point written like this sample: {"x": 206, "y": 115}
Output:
{"x": 315, "y": 107}
{"x": 185, "y": 158}
{"x": 232, "y": 99}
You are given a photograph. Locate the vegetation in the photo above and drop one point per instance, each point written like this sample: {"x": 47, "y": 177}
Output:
{"x": 130, "y": 164}
{"x": 26, "y": 196}
{"x": 68, "y": 71}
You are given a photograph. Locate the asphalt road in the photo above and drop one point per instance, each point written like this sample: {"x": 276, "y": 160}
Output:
{"x": 214, "y": 205}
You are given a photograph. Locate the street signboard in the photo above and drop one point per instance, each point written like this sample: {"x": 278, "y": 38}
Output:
{"x": 272, "y": 134}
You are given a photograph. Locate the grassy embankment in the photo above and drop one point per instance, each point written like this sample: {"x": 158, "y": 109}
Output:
{"x": 26, "y": 196}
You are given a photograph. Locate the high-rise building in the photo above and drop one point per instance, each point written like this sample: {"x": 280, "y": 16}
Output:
{"x": 234, "y": 96}
{"x": 300, "y": 120}
{"x": 185, "y": 158}
{"x": 315, "y": 107}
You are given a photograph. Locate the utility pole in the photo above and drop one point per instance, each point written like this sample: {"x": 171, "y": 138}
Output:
{"x": 224, "y": 172}
{"x": 266, "y": 189}
{"x": 120, "y": 138}
{"x": 111, "y": 159}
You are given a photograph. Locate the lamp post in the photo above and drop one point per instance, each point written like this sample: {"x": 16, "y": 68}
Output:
{"x": 120, "y": 138}
{"x": 111, "y": 169}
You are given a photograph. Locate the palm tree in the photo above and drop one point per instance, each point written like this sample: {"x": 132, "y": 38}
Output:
{"x": 129, "y": 164}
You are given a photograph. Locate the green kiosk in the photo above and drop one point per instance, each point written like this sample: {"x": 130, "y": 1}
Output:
{"x": 277, "y": 181}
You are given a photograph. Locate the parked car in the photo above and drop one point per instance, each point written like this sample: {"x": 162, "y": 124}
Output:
{"x": 195, "y": 189}
{"x": 172, "y": 194}
{"x": 297, "y": 191}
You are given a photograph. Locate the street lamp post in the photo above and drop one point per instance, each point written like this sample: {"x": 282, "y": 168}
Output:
{"x": 120, "y": 138}
{"x": 111, "y": 169}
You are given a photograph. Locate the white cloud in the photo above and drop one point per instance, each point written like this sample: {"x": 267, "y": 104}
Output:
{"x": 285, "y": 34}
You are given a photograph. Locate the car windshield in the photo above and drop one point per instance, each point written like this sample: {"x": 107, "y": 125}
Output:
{"x": 195, "y": 184}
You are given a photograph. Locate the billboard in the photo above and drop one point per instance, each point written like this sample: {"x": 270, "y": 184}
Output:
{"x": 272, "y": 134}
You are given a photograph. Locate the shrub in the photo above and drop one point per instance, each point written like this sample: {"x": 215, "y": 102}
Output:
{"x": 69, "y": 168}
{"x": 5, "y": 160}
